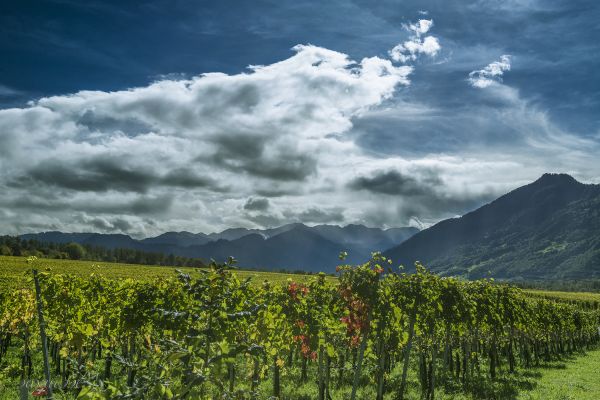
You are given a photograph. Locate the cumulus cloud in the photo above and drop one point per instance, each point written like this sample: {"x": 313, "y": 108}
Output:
{"x": 417, "y": 43}
{"x": 264, "y": 123}
{"x": 491, "y": 74}
{"x": 187, "y": 147}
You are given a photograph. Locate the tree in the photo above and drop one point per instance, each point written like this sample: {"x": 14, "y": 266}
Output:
{"x": 5, "y": 250}
{"x": 75, "y": 251}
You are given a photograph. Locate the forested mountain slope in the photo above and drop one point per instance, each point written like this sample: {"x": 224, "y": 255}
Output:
{"x": 549, "y": 229}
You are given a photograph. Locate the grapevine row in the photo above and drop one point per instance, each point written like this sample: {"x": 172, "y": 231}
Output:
{"x": 211, "y": 335}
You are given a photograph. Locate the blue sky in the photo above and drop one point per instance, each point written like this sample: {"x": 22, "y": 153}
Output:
{"x": 107, "y": 123}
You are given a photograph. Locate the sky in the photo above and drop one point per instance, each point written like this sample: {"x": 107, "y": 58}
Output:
{"x": 141, "y": 118}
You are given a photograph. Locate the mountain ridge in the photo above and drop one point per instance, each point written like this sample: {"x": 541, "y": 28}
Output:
{"x": 549, "y": 228}
{"x": 313, "y": 249}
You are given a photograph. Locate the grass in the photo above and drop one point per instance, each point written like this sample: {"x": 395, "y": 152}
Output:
{"x": 574, "y": 377}
{"x": 577, "y": 379}
{"x": 13, "y": 271}
{"x": 571, "y": 378}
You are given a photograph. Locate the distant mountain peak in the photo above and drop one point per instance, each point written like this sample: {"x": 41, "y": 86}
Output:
{"x": 557, "y": 178}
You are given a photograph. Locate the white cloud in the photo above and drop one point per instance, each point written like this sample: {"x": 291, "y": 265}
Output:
{"x": 491, "y": 74}
{"x": 177, "y": 146}
{"x": 309, "y": 96}
{"x": 417, "y": 44}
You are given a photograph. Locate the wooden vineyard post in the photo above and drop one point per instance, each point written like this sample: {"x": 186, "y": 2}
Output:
{"x": 38, "y": 298}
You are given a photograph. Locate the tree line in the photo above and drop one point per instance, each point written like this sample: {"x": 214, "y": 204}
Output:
{"x": 16, "y": 246}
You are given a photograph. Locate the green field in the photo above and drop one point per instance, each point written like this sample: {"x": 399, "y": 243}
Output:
{"x": 569, "y": 296}
{"x": 15, "y": 269}
{"x": 576, "y": 379}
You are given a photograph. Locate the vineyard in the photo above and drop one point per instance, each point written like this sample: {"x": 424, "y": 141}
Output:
{"x": 584, "y": 299}
{"x": 13, "y": 271}
{"x": 211, "y": 334}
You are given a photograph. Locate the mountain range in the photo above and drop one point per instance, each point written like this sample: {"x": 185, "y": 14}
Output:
{"x": 549, "y": 229}
{"x": 292, "y": 247}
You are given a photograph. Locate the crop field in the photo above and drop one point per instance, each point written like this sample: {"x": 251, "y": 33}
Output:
{"x": 567, "y": 296}
{"x": 15, "y": 270}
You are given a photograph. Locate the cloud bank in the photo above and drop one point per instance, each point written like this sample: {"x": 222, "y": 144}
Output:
{"x": 204, "y": 149}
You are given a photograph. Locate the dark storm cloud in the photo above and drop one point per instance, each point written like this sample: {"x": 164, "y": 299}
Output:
{"x": 394, "y": 183}
{"x": 249, "y": 146}
{"x": 245, "y": 152}
{"x": 188, "y": 179}
{"x": 294, "y": 167}
{"x": 310, "y": 215}
{"x": 423, "y": 195}
{"x": 121, "y": 224}
{"x": 104, "y": 174}
{"x": 437, "y": 206}
{"x": 142, "y": 205}
{"x": 97, "y": 175}
{"x": 100, "y": 224}
{"x": 256, "y": 204}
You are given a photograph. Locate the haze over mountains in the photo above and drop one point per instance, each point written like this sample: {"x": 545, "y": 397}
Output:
{"x": 292, "y": 246}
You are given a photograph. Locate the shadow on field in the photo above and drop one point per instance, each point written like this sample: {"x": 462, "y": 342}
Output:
{"x": 509, "y": 385}
{"x": 504, "y": 387}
